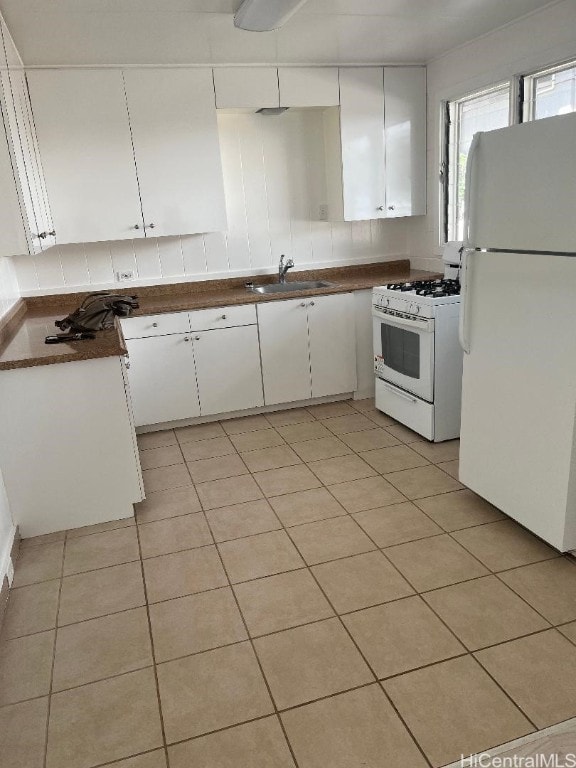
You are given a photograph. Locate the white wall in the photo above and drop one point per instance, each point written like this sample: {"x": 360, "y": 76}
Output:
{"x": 6, "y": 534}
{"x": 9, "y": 292}
{"x": 274, "y": 178}
{"x": 539, "y": 40}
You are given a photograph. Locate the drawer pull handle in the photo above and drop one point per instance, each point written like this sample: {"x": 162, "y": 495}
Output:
{"x": 223, "y": 317}
{"x": 303, "y": 304}
{"x": 154, "y": 325}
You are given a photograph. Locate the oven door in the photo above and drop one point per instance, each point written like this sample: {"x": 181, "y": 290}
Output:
{"x": 404, "y": 352}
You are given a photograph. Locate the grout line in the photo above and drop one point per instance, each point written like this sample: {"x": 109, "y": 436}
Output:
{"x": 153, "y": 652}
{"x": 51, "y": 688}
{"x": 250, "y": 640}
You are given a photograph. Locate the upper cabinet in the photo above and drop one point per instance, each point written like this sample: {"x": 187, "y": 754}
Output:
{"x": 246, "y": 87}
{"x": 380, "y": 132}
{"x": 28, "y": 227}
{"x": 86, "y": 148}
{"x": 129, "y": 155}
{"x": 177, "y": 152}
{"x": 257, "y": 87}
{"x": 308, "y": 86}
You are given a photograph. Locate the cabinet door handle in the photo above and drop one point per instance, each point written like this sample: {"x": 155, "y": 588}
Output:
{"x": 196, "y": 338}
{"x": 223, "y": 317}
{"x": 52, "y": 233}
{"x": 390, "y": 207}
{"x": 154, "y": 325}
{"x": 186, "y": 338}
{"x": 127, "y": 364}
{"x": 311, "y": 303}
{"x": 136, "y": 226}
{"x": 380, "y": 208}
{"x": 150, "y": 226}
{"x": 303, "y": 304}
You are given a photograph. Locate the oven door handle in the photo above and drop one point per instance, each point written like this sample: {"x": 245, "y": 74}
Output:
{"x": 424, "y": 324}
{"x": 400, "y": 393}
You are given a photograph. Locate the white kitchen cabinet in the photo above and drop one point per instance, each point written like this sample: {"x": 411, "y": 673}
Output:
{"x": 129, "y": 155}
{"x": 67, "y": 450}
{"x": 228, "y": 369}
{"x": 162, "y": 378}
{"x": 332, "y": 344}
{"x": 284, "y": 351}
{"x": 307, "y": 348}
{"x": 376, "y": 144}
{"x": 405, "y": 140}
{"x": 246, "y": 87}
{"x": 12, "y": 233}
{"x": 177, "y": 152}
{"x": 175, "y": 374}
{"x": 86, "y": 149}
{"x": 30, "y": 229}
{"x": 309, "y": 86}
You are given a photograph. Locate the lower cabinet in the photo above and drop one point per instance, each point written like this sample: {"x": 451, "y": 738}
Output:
{"x": 162, "y": 378}
{"x": 241, "y": 357}
{"x": 228, "y": 369}
{"x": 284, "y": 351}
{"x": 308, "y": 347}
{"x": 68, "y": 449}
{"x": 175, "y": 374}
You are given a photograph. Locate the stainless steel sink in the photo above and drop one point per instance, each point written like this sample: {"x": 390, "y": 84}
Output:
{"x": 304, "y": 285}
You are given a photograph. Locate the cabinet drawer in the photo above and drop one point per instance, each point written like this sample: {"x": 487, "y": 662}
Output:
{"x": 155, "y": 325}
{"x": 222, "y": 317}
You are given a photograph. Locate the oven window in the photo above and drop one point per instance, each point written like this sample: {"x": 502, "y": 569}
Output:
{"x": 401, "y": 350}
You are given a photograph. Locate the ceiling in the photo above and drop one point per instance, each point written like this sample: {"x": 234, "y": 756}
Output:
{"x": 121, "y": 32}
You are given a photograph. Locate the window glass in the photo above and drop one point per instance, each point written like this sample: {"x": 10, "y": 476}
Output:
{"x": 554, "y": 93}
{"x": 484, "y": 111}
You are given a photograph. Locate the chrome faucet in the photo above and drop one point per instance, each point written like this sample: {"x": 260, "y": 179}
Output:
{"x": 283, "y": 267}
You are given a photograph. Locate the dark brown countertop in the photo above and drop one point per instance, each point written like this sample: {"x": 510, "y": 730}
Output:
{"x": 22, "y": 335}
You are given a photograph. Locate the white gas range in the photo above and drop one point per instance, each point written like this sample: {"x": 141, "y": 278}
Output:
{"x": 417, "y": 356}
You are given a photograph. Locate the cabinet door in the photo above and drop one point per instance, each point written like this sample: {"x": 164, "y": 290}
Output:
{"x": 405, "y": 140}
{"x": 173, "y": 122}
{"x": 283, "y": 330}
{"x": 84, "y": 138}
{"x": 162, "y": 379}
{"x": 12, "y": 234}
{"x": 308, "y": 86}
{"x": 20, "y": 161}
{"x": 34, "y": 176}
{"x": 332, "y": 344}
{"x": 362, "y": 137}
{"x": 246, "y": 87}
{"x": 228, "y": 369}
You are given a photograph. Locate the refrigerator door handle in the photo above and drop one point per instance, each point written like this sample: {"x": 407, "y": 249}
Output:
{"x": 464, "y": 300}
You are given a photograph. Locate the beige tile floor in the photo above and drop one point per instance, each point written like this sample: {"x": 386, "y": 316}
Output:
{"x": 308, "y": 588}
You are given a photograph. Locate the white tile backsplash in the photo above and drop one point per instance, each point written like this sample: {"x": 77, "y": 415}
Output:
{"x": 274, "y": 178}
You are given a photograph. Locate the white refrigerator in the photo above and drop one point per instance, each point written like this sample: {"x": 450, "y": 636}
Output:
{"x": 518, "y": 326}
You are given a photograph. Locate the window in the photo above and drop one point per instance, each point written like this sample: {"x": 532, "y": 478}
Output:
{"x": 550, "y": 92}
{"x": 483, "y": 111}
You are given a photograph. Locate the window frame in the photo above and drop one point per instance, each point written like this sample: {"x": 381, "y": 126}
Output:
{"x": 528, "y": 81}
{"x": 450, "y": 134}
